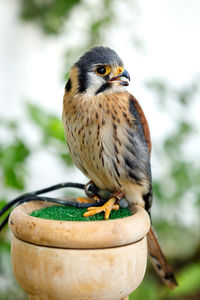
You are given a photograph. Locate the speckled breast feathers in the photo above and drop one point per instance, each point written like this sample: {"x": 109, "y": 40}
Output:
{"x": 106, "y": 140}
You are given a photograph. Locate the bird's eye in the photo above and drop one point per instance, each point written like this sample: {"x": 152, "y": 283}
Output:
{"x": 103, "y": 70}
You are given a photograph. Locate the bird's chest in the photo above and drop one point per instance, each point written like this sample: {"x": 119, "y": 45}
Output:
{"x": 97, "y": 137}
{"x": 84, "y": 131}
{"x": 95, "y": 131}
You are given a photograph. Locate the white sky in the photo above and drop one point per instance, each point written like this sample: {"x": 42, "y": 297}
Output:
{"x": 31, "y": 64}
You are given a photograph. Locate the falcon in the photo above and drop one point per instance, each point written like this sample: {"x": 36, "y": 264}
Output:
{"x": 109, "y": 139}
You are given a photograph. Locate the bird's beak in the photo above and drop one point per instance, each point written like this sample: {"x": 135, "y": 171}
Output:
{"x": 122, "y": 78}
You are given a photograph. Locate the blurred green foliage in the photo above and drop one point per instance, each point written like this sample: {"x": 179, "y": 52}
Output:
{"x": 178, "y": 185}
{"x": 52, "y": 131}
{"x": 14, "y": 173}
{"x": 13, "y": 157}
{"x": 50, "y": 15}
{"x": 181, "y": 169}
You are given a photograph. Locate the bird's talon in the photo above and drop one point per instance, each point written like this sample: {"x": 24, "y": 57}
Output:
{"x": 107, "y": 208}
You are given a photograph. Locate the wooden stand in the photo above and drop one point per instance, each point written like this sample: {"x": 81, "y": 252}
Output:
{"x": 97, "y": 260}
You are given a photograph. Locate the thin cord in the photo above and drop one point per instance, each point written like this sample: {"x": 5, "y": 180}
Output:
{"x": 33, "y": 196}
{"x": 42, "y": 191}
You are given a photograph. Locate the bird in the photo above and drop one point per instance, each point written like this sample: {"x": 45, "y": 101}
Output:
{"x": 109, "y": 139}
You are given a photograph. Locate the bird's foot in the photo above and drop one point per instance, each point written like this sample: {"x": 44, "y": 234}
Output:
{"x": 107, "y": 208}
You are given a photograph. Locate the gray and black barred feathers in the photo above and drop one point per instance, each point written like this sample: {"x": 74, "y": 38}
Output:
{"x": 156, "y": 255}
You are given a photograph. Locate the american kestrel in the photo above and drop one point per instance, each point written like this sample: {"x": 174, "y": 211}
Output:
{"x": 108, "y": 137}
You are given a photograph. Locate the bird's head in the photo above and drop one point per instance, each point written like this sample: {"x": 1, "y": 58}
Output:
{"x": 98, "y": 70}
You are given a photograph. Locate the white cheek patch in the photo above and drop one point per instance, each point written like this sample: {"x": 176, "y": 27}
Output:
{"x": 95, "y": 82}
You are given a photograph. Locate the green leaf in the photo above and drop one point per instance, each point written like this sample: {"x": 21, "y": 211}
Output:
{"x": 50, "y": 126}
{"x": 12, "y": 159}
{"x": 50, "y": 15}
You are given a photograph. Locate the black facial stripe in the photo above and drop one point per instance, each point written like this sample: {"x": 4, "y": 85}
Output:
{"x": 102, "y": 88}
{"x": 83, "y": 80}
{"x": 68, "y": 85}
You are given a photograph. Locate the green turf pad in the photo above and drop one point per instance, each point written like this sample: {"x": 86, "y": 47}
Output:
{"x": 70, "y": 213}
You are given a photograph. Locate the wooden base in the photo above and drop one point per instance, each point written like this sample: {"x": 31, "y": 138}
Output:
{"x": 63, "y": 260}
{"x": 47, "y": 273}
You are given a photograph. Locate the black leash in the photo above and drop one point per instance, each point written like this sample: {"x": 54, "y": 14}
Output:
{"x": 91, "y": 190}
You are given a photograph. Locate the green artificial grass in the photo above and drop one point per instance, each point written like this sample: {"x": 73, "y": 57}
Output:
{"x": 70, "y": 213}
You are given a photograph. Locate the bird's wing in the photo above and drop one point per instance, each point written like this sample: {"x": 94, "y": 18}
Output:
{"x": 156, "y": 255}
{"x": 135, "y": 107}
{"x": 142, "y": 128}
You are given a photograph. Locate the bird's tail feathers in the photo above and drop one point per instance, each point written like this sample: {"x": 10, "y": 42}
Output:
{"x": 159, "y": 261}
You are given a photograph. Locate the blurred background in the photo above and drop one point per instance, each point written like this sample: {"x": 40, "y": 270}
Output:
{"x": 159, "y": 44}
